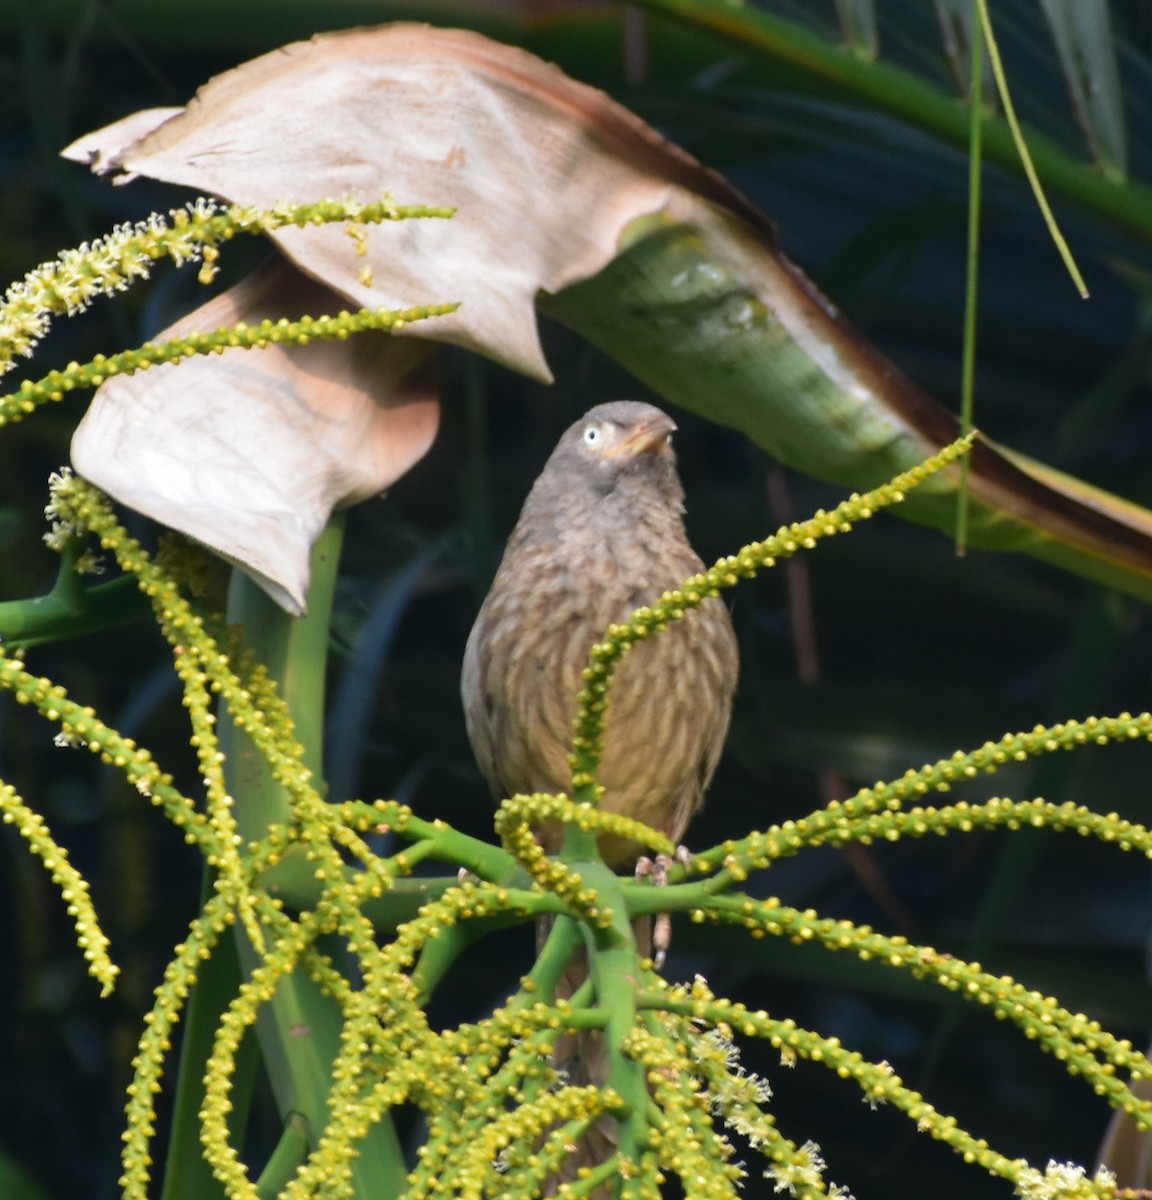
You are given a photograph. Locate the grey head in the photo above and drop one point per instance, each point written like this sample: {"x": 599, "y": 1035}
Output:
{"x": 616, "y": 462}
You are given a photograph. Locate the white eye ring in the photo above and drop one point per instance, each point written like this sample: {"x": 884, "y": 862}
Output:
{"x": 592, "y": 435}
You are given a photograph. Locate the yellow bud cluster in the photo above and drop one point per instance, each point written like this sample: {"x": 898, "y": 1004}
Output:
{"x": 156, "y": 1043}
{"x": 878, "y": 813}
{"x": 80, "y": 726}
{"x": 1080, "y": 1043}
{"x": 73, "y": 887}
{"x": 691, "y": 1147}
{"x": 70, "y": 283}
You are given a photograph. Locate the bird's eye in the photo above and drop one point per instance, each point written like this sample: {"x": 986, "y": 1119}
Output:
{"x": 593, "y": 435}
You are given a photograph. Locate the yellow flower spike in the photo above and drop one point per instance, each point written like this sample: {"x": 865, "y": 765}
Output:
{"x": 205, "y": 670}
{"x": 72, "y": 885}
{"x": 148, "y": 1065}
{"x": 79, "y": 724}
{"x": 1082, "y": 1044}
{"x": 588, "y": 725}
{"x": 70, "y": 283}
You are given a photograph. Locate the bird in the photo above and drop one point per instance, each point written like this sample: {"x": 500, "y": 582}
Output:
{"x": 600, "y": 534}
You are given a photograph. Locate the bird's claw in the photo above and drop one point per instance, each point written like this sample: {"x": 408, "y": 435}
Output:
{"x": 658, "y": 869}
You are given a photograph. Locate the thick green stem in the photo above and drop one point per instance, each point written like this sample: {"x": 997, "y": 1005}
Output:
{"x": 615, "y": 968}
{"x": 286, "y": 1159}
{"x": 299, "y": 1031}
{"x": 70, "y": 609}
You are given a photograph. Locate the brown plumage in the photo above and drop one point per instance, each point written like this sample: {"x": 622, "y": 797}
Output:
{"x": 601, "y": 532}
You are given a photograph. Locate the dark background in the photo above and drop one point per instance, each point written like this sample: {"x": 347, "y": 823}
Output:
{"x": 920, "y": 652}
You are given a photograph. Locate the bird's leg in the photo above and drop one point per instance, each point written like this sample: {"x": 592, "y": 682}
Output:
{"x": 658, "y": 868}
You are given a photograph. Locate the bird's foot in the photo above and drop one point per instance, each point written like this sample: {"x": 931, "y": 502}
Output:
{"x": 658, "y": 869}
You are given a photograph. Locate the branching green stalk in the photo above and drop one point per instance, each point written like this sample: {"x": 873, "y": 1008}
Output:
{"x": 285, "y": 1160}
{"x": 564, "y": 938}
{"x": 342, "y": 1056}
{"x": 615, "y": 967}
{"x": 70, "y": 612}
{"x": 518, "y": 815}
{"x": 450, "y": 845}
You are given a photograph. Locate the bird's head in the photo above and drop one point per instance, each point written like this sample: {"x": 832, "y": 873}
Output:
{"x": 616, "y": 435}
{"x": 612, "y": 469}
{"x": 625, "y": 444}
